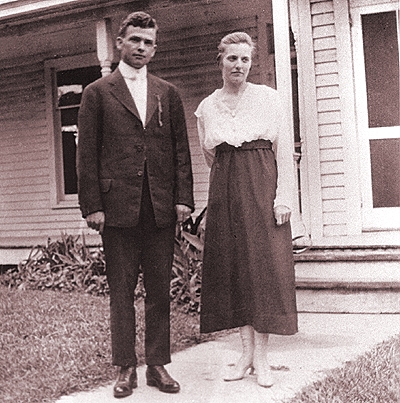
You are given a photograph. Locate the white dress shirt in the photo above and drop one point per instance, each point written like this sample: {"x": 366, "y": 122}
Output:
{"x": 136, "y": 80}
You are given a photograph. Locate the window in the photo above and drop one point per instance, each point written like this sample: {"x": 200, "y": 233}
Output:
{"x": 385, "y": 172}
{"x": 70, "y": 85}
{"x": 376, "y": 34}
{"x": 381, "y": 55}
{"x": 65, "y": 82}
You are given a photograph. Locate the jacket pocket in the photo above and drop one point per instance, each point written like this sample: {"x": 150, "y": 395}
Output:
{"x": 105, "y": 185}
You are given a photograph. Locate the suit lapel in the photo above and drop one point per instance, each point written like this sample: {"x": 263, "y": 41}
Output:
{"x": 154, "y": 95}
{"x": 120, "y": 91}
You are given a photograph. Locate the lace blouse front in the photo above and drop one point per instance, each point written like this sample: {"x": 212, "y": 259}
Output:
{"x": 259, "y": 114}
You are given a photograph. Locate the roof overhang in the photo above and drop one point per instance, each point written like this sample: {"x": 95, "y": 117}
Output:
{"x": 13, "y": 8}
{"x": 22, "y": 11}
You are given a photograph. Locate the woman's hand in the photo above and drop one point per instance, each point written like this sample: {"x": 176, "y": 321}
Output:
{"x": 282, "y": 214}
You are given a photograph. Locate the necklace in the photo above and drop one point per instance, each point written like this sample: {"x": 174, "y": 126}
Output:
{"x": 231, "y": 100}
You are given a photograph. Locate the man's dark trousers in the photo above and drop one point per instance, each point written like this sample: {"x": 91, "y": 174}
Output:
{"x": 127, "y": 250}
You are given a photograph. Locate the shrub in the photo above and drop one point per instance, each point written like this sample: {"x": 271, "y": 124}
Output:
{"x": 188, "y": 261}
{"x": 186, "y": 273}
{"x": 69, "y": 265}
{"x": 64, "y": 265}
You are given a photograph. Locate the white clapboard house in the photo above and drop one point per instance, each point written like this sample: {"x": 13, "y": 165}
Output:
{"x": 336, "y": 63}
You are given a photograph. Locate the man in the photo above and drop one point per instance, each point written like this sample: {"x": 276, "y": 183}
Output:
{"x": 134, "y": 183}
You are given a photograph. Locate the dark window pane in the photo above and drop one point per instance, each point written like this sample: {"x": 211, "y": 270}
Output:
{"x": 70, "y": 85}
{"x": 82, "y": 76}
{"x": 69, "y": 116}
{"x": 381, "y": 52}
{"x": 69, "y": 160}
{"x": 69, "y": 95}
{"x": 385, "y": 170}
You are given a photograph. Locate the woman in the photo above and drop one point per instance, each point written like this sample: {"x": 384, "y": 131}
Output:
{"x": 248, "y": 270}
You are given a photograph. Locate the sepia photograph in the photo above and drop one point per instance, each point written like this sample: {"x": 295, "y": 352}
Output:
{"x": 199, "y": 201}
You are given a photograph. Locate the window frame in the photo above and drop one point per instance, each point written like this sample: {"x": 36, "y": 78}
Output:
{"x": 373, "y": 218}
{"x": 58, "y": 198}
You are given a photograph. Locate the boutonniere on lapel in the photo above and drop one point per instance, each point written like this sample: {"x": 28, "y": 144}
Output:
{"x": 160, "y": 123}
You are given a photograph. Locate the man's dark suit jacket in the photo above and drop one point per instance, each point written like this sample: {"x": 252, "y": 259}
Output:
{"x": 114, "y": 148}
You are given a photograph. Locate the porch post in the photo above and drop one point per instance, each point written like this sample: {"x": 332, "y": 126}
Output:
{"x": 105, "y": 45}
{"x": 280, "y": 13}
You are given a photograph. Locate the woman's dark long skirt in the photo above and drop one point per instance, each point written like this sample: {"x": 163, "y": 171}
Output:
{"x": 248, "y": 269}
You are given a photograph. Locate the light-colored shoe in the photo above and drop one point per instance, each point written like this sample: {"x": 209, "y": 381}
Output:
{"x": 237, "y": 372}
{"x": 261, "y": 365}
{"x": 265, "y": 378}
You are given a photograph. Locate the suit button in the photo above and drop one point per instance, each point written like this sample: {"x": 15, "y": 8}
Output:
{"x": 139, "y": 149}
{"x": 140, "y": 173}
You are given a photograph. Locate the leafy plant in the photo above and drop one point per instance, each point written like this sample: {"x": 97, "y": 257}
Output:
{"x": 69, "y": 265}
{"x": 188, "y": 260}
{"x": 64, "y": 265}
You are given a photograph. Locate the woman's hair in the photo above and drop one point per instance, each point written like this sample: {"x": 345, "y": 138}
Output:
{"x": 235, "y": 38}
{"x": 137, "y": 19}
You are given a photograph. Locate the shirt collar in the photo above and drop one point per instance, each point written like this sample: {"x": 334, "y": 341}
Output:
{"x": 131, "y": 73}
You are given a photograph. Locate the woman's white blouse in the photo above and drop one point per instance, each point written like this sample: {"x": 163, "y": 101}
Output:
{"x": 258, "y": 115}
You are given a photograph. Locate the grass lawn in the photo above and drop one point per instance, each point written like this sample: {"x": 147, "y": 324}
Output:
{"x": 372, "y": 378}
{"x": 55, "y": 343}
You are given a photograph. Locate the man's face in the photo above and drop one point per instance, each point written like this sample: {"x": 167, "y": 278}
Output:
{"x": 138, "y": 46}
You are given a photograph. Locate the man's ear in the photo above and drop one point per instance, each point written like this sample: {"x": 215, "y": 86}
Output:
{"x": 118, "y": 42}
{"x": 154, "y": 49}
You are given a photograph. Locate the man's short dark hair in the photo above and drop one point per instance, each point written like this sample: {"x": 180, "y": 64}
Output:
{"x": 137, "y": 19}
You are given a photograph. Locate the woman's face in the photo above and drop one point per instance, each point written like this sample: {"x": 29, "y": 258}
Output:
{"x": 236, "y": 63}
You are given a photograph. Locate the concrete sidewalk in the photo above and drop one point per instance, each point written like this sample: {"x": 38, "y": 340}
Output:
{"x": 324, "y": 341}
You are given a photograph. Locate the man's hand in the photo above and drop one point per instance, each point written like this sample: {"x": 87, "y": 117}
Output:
{"x": 96, "y": 221}
{"x": 182, "y": 212}
{"x": 282, "y": 214}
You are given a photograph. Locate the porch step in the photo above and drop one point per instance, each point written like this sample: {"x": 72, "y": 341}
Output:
{"x": 357, "y": 268}
{"x": 348, "y": 301}
{"x": 353, "y": 254}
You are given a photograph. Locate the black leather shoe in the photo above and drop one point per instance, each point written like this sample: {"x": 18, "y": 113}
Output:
{"x": 157, "y": 375}
{"x": 126, "y": 382}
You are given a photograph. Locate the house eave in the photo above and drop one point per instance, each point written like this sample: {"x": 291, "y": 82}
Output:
{"x": 27, "y": 11}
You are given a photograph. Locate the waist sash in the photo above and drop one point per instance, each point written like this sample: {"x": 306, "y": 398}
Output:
{"x": 251, "y": 145}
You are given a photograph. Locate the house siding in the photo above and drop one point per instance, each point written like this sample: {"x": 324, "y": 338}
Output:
{"x": 28, "y": 214}
{"x": 24, "y": 157}
{"x": 329, "y": 118}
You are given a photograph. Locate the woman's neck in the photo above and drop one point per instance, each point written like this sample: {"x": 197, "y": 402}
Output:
{"x": 232, "y": 89}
